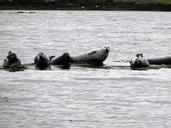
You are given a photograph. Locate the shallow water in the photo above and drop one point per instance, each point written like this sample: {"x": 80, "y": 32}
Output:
{"x": 84, "y": 97}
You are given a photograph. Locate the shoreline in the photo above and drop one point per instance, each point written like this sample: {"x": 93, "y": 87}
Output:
{"x": 108, "y": 7}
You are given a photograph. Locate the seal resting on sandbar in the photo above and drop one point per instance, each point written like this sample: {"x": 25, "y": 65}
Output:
{"x": 42, "y": 61}
{"x": 160, "y": 61}
{"x": 12, "y": 62}
{"x": 95, "y": 57}
{"x": 63, "y": 61}
{"x": 139, "y": 62}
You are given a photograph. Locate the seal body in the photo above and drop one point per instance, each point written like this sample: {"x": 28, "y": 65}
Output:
{"x": 41, "y": 61}
{"x": 63, "y": 60}
{"x": 12, "y": 62}
{"x": 95, "y": 57}
{"x": 139, "y": 62}
{"x": 160, "y": 61}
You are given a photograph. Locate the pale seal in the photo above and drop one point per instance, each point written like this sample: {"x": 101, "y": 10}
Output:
{"x": 95, "y": 57}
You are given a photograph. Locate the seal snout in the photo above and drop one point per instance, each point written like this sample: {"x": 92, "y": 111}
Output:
{"x": 138, "y": 62}
{"x": 107, "y": 49}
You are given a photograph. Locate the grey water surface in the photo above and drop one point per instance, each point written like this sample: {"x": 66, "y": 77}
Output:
{"x": 84, "y": 97}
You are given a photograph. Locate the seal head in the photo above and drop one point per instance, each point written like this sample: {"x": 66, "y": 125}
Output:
{"x": 12, "y": 62}
{"x": 41, "y": 61}
{"x": 139, "y": 62}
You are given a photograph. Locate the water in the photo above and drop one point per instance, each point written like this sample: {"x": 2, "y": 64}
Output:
{"x": 84, "y": 97}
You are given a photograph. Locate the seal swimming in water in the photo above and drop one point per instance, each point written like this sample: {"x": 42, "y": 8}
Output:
{"x": 160, "y": 61}
{"x": 64, "y": 60}
{"x": 95, "y": 57}
{"x": 12, "y": 62}
{"x": 139, "y": 62}
{"x": 42, "y": 61}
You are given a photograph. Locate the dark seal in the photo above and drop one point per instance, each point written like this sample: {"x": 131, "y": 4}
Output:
{"x": 12, "y": 62}
{"x": 63, "y": 61}
{"x": 160, "y": 61}
{"x": 42, "y": 61}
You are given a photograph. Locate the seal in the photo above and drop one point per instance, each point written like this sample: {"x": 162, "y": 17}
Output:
{"x": 160, "y": 61}
{"x": 95, "y": 57}
{"x": 139, "y": 62}
{"x": 63, "y": 61}
{"x": 12, "y": 62}
{"x": 42, "y": 61}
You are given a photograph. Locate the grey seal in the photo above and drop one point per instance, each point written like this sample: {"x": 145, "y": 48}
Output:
{"x": 139, "y": 62}
{"x": 95, "y": 57}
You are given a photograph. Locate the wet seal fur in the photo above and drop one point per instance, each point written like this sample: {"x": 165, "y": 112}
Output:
{"x": 12, "y": 62}
{"x": 139, "y": 62}
{"x": 63, "y": 61}
{"x": 41, "y": 61}
{"x": 95, "y": 57}
{"x": 160, "y": 61}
